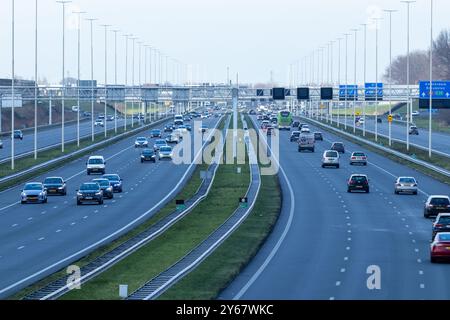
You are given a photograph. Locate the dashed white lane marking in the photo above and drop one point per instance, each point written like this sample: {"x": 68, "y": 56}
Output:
{"x": 332, "y": 298}
{"x": 43, "y": 212}
{"x": 65, "y": 202}
{"x": 96, "y": 211}
{"x": 55, "y": 207}
{"x": 416, "y": 250}
{"x": 21, "y": 248}
{"x": 348, "y": 248}
{"x": 41, "y": 239}
{"x": 85, "y": 217}
{"x": 422, "y": 286}
{"x": 30, "y": 218}
{"x": 58, "y": 231}
{"x": 73, "y": 223}
{"x": 407, "y": 226}
{"x": 14, "y": 225}
{"x": 114, "y": 201}
{"x": 349, "y": 239}
{"x": 421, "y": 272}
{"x": 413, "y": 241}
{"x": 419, "y": 260}
{"x": 349, "y": 231}
{"x": 343, "y": 270}
{"x": 338, "y": 283}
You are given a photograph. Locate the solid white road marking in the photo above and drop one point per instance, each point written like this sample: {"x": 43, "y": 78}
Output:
{"x": 338, "y": 283}
{"x": 40, "y": 239}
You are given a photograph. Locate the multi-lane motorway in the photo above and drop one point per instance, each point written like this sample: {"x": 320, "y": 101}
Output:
{"x": 52, "y": 136}
{"x": 37, "y": 240}
{"x": 326, "y": 239}
{"x": 440, "y": 141}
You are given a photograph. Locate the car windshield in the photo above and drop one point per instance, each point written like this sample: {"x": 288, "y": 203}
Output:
{"x": 160, "y": 142}
{"x": 338, "y": 145}
{"x": 147, "y": 152}
{"x": 359, "y": 154}
{"x": 112, "y": 178}
{"x": 53, "y": 181}
{"x": 445, "y": 237}
{"x": 166, "y": 149}
{"x": 444, "y": 220}
{"x": 156, "y": 131}
{"x": 102, "y": 182}
{"x": 440, "y": 202}
{"x": 95, "y": 161}
{"x": 33, "y": 186}
{"x": 331, "y": 155}
{"x": 359, "y": 179}
{"x": 17, "y": 132}
{"x": 90, "y": 187}
{"x": 141, "y": 139}
{"x": 318, "y": 134}
{"x": 407, "y": 180}
{"x": 296, "y": 133}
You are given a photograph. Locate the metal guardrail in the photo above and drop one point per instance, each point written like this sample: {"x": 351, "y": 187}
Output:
{"x": 61, "y": 286}
{"x": 157, "y": 286}
{"x": 382, "y": 148}
{"x": 81, "y": 151}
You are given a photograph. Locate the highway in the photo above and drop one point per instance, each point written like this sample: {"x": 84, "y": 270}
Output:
{"x": 37, "y": 240}
{"x": 326, "y": 238}
{"x": 52, "y": 136}
{"x": 440, "y": 141}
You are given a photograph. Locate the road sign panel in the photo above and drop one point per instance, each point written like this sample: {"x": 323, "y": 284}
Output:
{"x": 348, "y": 91}
{"x": 373, "y": 91}
{"x": 441, "y": 90}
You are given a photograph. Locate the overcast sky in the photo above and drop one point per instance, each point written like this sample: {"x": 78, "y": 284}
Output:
{"x": 252, "y": 37}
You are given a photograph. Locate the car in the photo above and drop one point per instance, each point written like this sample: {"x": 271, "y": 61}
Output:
{"x": 148, "y": 155}
{"x": 178, "y": 121}
{"x": 318, "y": 136}
{"x": 169, "y": 128}
{"x": 339, "y": 147}
{"x": 156, "y": 133}
{"x": 295, "y": 124}
{"x": 379, "y": 120}
{"x": 182, "y": 129}
{"x": 110, "y": 118}
{"x": 165, "y": 152}
{"x": 295, "y": 135}
{"x": 265, "y": 124}
{"x": 306, "y": 142}
{"x": 188, "y": 127}
{"x": 158, "y": 144}
{"x": 303, "y": 125}
{"x": 252, "y": 112}
{"x": 89, "y": 193}
{"x": 96, "y": 164}
{"x": 358, "y": 158}
{"x": 99, "y": 123}
{"x": 361, "y": 121}
{"x": 86, "y": 114}
{"x": 415, "y": 113}
{"x": 18, "y": 134}
{"x": 1, "y": 144}
{"x": 270, "y": 130}
{"x": 33, "y": 192}
{"x": 173, "y": 138}
{"x": 107, "y": 188}
{"x": 75, "y": 109}
{"x": 259, "y": 117}
{"x": 436, "y": 205}
{"x": 358, "y": 182}
{"x": 116, "y": 182}
{"x": 305, "y": 131}
{"x": 55, "y": 186}
{"x": 141, "y": 142}
{"x": 330, "y": 158}
{"x": 413, "y": 131}
{"x": 440, "y": 248}
{"x": 441, "y": 224}
{"x": 187, "y": 118}
{"x": 406, "y": 185}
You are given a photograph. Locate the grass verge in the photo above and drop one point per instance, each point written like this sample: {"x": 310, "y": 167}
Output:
{"x": 436, "y": 159}
{"x": 187, "y": 192}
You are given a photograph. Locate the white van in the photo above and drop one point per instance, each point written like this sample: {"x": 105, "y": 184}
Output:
{"x": 75, "y": 108}
{"x": 96, "y": 164}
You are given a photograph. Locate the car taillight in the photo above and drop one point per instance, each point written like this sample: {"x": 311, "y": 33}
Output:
{"x": 353, "y": 158}
{"x": 430, "y": 206}
{"x": 439, "y": 225}
{"x": 366, "y": 182}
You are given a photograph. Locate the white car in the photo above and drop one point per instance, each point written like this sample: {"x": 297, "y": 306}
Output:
{"x": 99, "y": 123}
{"x": 330, "y": 158}
{"x": 415, "y": 113}
{"x": 361, "y": 121}
{"x": 305, "y": 130}
{"x": 406, "y": 185}
{"x": 96, "y": 164}
{"x": 165, "y": 152}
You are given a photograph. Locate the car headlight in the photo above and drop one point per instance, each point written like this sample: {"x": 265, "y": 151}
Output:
{"x": 61, "y": 188}
{"x": 109, "y": 189}
{"x": 98, "y": 193}
{"x": 41, "y": 194}
{"x": 79, "y": 194}
{"x": 23, "y": 195}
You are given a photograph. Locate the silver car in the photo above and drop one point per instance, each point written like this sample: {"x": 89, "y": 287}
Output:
{"x": 358, "y": 158}
{"x": 34, "y": 192}
{"x": 330, "y": 159}
{"x": 406, "y": 185}
{"x": 165, "y": 152}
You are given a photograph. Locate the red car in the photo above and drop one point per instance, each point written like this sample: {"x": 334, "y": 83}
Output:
{"x": 440, "y": 248}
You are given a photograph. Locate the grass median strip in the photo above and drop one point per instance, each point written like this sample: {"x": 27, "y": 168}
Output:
{"x": 414, "y": 152}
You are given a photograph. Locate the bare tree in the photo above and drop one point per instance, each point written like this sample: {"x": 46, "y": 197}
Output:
{"x": 418, "y": 68}
{"x": 441, "y": 55}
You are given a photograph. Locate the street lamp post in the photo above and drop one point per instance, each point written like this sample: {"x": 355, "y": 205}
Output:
{"x": 376, "y": 77}
{"x": 35, "y": 79}
{"x": 106, "y": 79}
{"x": 13, "y": 75}
{"x": 132, "y": 80}
{"x": 79, "y": 13}
{"x": 390, "y": 72}
{"x": 115, "y": 78}
{"x": 365, "y": 78}
{"x": 63, "y": 94}
{"x": 408, "y": 103}
{"x": 91, "y": 20}
{"x": 126, "y": 79}
{"x": 339, "y": 81}
{"x": 430, "y": 131}
{"x": 346, "y": 79}
{"x": 356, "y": 83}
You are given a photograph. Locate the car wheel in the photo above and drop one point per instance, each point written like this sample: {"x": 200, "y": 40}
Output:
{"x": 323, "y": 167}
{"x": 100, "y": 202}
{"x": 78, "y": 203}
{"x": 46, "y": 200}
{"x": 142, "y": 161}
{"x": 338, "y": 166}
{"x": 395, "y": 192}
{"x": 433, "y": 260}
{"x": 415, "y": 193}
{"x": 23, "y": 202}
{"x": 426, "y": 216}
{"x": 351, "y": 163}
{"x": 368, "y": 191}
{"x": 349, "y": 191}
{"x": 88, "y": 173}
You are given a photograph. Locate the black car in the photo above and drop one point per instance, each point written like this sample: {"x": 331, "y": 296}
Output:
{"x": 106, "y": 187}
{"x": 18, "y": 134}
{"x": 116, "y": 182}
{"x": 295, "y": 124}
{"x": 442, "y": 224}
{"x": 358, "y": 183}
{"x": 90, "y": 193}
{"x": 55, "y": 186}
{"x": 148, "y": 155}
{"x": 436, "y": 205}
{"x": 318, "y": 136}
{"x": 339, "y": 147}
{"x": 414, "y": 131}
{"x": 295, "y": 136}
{"x": 270, "y": 131}
{"x": 169, "y": 128}
{"x": 156, "y": 133}
{"x": 379, "y": 120}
